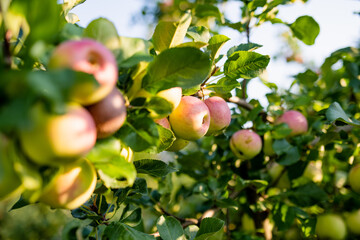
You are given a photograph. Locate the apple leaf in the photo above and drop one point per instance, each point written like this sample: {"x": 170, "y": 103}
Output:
{"x": 177, "y": 67}
{"x": 131, "y": 51}
{"x": 121, "y": 231}
{"x": 284, "y": 216}
{"x": 199, "y": 34}
{"x": 242, "y": 64}
{"x": 208, "y": 10}
{"x": 249, "y": 47}
{"x": 306, "y": 29}
{"x": 170, "y": 34}
{"x": 215, "y": 44}
{"x": 336, "y": 113}
{"x": 209, "y": 227}
{"x": 166, "y": 139}
{"x": 288, "y": 154}
{"x": 155, "y": 168}
{"x": 170, "y": 228}
{"x": 307, "y": 195}
{"x": 224, "y": 85}
{"x": 131, "y": 215}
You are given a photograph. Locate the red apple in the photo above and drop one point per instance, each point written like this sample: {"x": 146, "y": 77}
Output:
{"x": 71, "y": 187}
{"x": 245, "y": 144}
{"x": 164, "y": 122}
{"x": 109, "y": 114}
{"x": 220, "y": 115}
{"x": 191, "y": 119}
{"x": 91, "y": 57}
{"x": 296, "y": 122}
{"x": 54, "y": 139}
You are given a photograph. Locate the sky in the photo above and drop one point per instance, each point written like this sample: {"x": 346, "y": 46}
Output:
{"x": 339, "y": 27}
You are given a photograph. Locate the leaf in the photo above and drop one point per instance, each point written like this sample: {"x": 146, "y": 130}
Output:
{"x": 19, "y": 204}
{"x": 70, "y": 4}
{"x": 166, "y": 138}
{"x": 249, "y": 47}
{"x": 224, "y": 85}
{"x": 159, "y": 105}
{"x": 199, "y": 34}
{"x": 284, "y": 216}
{"x": 209, "y": 227}
{"x": 177, "y": 67}
{"x": 336, "y": 113}
{"x": 170, "y": 229}
{"x": 131, "y": 215}
{"x": 255, "y": 4}
{"x": 131, "y": 51}
{"x": 215, "y": 44}
{"x": 156, "y": 168}
{"x": 288, "y": 154}
{"x": 307, "y": 195}
{"x": 247, "y": 65}
{"x": 306, "y": 29}
{"x": 170, "y": 34}
{"x": 120, "y": 231}
{"x": 208, "y": 10}
{"x": 103, "y": 31}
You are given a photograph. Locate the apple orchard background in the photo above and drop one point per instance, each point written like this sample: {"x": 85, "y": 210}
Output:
{"x": 337, "y": 23}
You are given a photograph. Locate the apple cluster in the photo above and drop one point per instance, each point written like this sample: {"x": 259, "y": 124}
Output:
{"x": 93, "y": 112}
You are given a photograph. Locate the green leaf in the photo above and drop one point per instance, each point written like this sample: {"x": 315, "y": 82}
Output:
{"x": 307, "y": 78}
{"x": 131, "y": 51}
{"x": 284, "y": 216}
{"x": 166, "y": 138}
{"x": 103, "y": 31}
{"x": 156, "y": 168}
{"x": 208, "y": 10}
{"x": 177, "y": 67}
{"x": 307, "y": 195}
{"x": 336, "y": 113}
{"x": 288, "y": 154}
{"x": 255, "y": 4}
{"x": 19, "y": 204}
{"x": 170, "y": 34}
{"x": 120, "y": 231}
{"x": 170, "y": 228}
{"x": 224, "y": 85}
{"x": 306, "y": 29}
{"x": 159, "y": 105}
{"x": 249, "y": 47}
{"x": 209, "y": 227}
{"x": 247, "y": 65}
{"x": 131, "y": 215}
{"x": 199, "y": 34}
{"x": 70, "y": 4}
{"x": 215, "y": 44}
{"x": 139, "y": 132}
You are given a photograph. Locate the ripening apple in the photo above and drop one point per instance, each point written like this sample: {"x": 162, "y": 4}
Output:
{"x": 330, "y": 226}
{"x": 220, "y": 115}
{"x": 88, "y": 56}
{"x": 354, "y": 178}
{"x": 54, "y": 139}
{"x": 71, "y": 187}
{"x": 191, "y": 119}
{"x": 268, "y": 142}
{"x": 164, "y": 122}
{"x": 352, "y": 220}
{"x": 109, "y": 113}
{"x": 245, "y": 144}
{"x": 172, "y": 95}
{"x": 295, "y": 120}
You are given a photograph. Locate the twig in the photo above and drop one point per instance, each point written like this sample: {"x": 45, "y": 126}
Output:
{"x": 241, "y": 103}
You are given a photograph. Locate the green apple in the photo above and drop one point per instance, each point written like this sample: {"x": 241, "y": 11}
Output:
{"x": 268, "y": 141}
{"x": 295, "y": 120}
{"x": 352, "y": 220}
{"x": 55, "y": 139}
{"x": 71, "y": 187}
{"x": 220, "y": 115}
{"x": 88, "y": 56}
{"x": 354, "y": 178}
{"x": 191, "y": 119}
{"x": 247, "y": 223}
{"x": 109, "y": 113}
{"x": 245, "y": 144}
{"x": 330, "y": 226}
{"x": 275, "y": 170}
{"x": 313, "y": 171}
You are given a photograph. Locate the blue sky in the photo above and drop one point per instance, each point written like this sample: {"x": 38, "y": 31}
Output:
{"x": 339, "y": 27}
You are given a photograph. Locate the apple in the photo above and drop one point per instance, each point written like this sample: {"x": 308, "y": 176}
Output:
{"x": 274, "y": 171}
{"x": 354, "y": 178}
{"x": 220, "y": 115}
{"x": 330, "y": 226}
{"x": 313, "y": 171}
{"x": 248, "y": 224}
{"x": 191, "y": 119}
{"x": 88, "y": 56}
{"x": 352, "y": 220}
{"x": 268, "y": 142}
{"x": 54, "y": 139}
{"x": 71, "y": 187}
{"x": 172, "y": 95}
{"x": 164, "y": 122}
{"x": 109, "y": 114}
{"x": 245, "y": 144}
{"x": 295, "y": 120}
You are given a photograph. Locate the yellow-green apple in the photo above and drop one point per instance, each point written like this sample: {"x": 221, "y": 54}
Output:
{"x": 245, "y": 144}
{"x": 88, "y": 56}
{"x": 277, "y": 173}
{"x": 330, "y": 226}
{"x": 352, "y": 220}
{"x": 313, "y": 171}
{"x": 71, "y": 187}
{"x": 172, "y": 95}
{"x": 268, "y": 141}
{"x": 354, "y": 178}
{"x": 191, "y": 119}
{"x": 247, "y": 224}
{"x": 54, "y": 139}
{"x": 295, "y": 120}
{"x": 109, "y": 113}
{"x": 220, "y": 115}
